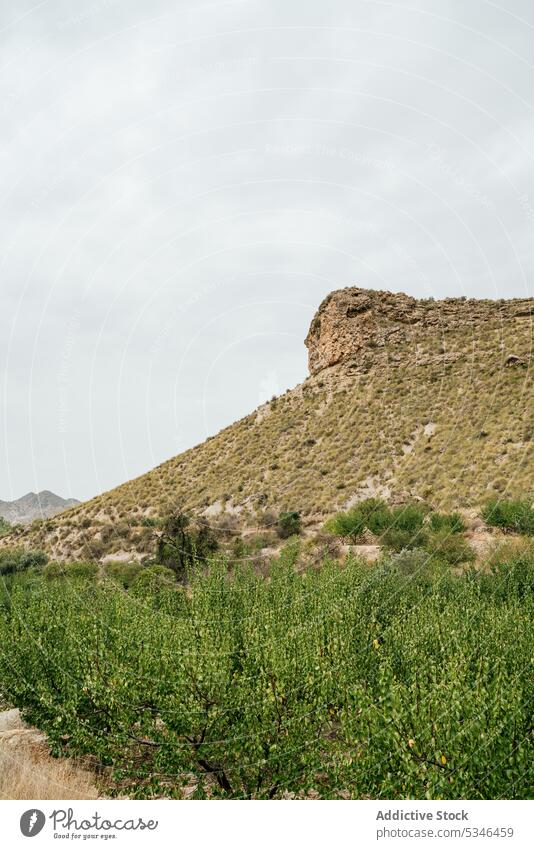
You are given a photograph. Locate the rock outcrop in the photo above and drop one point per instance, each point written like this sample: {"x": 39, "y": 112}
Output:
{"x": 362, "y": 327}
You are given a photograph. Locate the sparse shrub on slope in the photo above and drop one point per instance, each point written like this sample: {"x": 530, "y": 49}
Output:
{"x": 449, "y": 547}
{"x": 451, "y": 522}
{"x": 397, "y": 528}
{"x": 510, "y": 515}
{"x": 94, "y": 549}
{"x": 349, "y": 525}
{"x": 289, "y": 524}
{"x": 148, "y": 522}
{"x": 400, "y": 539}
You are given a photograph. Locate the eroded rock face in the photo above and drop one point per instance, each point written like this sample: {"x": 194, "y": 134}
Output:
{"x": 360, "y": 327}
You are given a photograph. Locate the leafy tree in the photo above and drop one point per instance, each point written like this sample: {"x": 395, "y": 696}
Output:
{"x": 182, "y": 545}
{"x": 376, "y": 514}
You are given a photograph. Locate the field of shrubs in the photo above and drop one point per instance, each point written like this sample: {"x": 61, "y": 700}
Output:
{"x": 402, "y": 679}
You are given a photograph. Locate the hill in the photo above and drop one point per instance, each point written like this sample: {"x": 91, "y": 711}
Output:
{"x": 406, "y": 398}
{"x": 34, "y": 505}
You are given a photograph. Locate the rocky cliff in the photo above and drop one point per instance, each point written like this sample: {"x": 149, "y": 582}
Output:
{"x": 361, "y": 327}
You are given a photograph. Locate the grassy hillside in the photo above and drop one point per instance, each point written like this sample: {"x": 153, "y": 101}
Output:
{"x": 441, "y": 411}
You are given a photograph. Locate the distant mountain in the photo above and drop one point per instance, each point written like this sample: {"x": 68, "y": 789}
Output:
{"x": 34, "y": 505}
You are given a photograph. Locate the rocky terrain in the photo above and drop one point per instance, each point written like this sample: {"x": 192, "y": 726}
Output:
{"x": 34, "y": 505}
{"x": 406, "y": 398}
{"x": 362, "y": 329}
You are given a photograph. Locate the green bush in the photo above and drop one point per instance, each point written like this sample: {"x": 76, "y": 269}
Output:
{"x": 408, "y": 518}
{"x": 379, "y": 519}
{"x": 449, "y": 547}
{"x": 349, "y": 525}
{"x": 33, "y": 560}
{"x": 451, "y": 522}
{"x": 398, "y": 528}
{"x": 87, "y": 570}
{"x": 510, "y": 515}
{"x": 5, "y": 527}
{"x": 374, "y": 511}
{"x": 151, "y": 579}
{"x": 289, "y": 524}
{"x": 414, "y": 563}
{"x": 399, "y": 539}
{"x": 123, "y": 573}
{"x": 19, "y": 560}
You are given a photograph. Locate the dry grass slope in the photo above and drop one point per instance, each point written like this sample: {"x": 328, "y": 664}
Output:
{"x": 440, "y": 409}
{"x": 28, "y": 772}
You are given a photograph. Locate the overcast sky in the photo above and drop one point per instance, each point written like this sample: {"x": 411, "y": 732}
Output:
{"x": 183, "y": 182}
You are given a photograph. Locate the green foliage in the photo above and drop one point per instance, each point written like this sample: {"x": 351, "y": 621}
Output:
{"x": 451, "y": 522}
{"x": 86, "y": 570}
{"x": 349, "y": 525}
{"x": 400, "y": 539}
{"x": 389, "y": 683}
{"x": 510, "y": 515}
{"x": 449, "y": 547}
{"x": 398, "y": 527}
{"x": 123, "y": 573}
{"x": 289, "y": 524}
{"x": 408, "y": 518}
{"x": 148, "y": 522}
{"x": 377, "y": 520}
{"x": 183, "y": 546}
{"x": 409, "y": 563}
{"x": 5, "y": 527}
{"x": 14, "y": 560}
{"x": 152, "y": 579}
